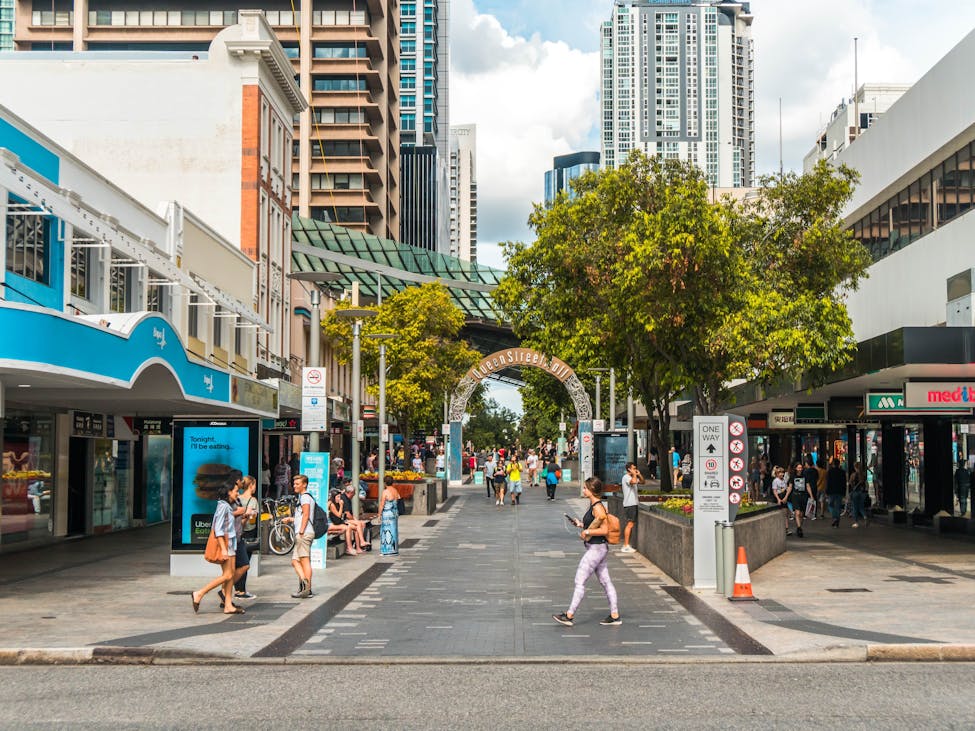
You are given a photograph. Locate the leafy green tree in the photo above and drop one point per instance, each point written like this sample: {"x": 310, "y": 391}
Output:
{"x": 491, "y": 425}
{"x": 643, "y": 272}
{"x": 426, "y": 359}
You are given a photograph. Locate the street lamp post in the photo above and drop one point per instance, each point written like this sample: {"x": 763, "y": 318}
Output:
{"x": 357, "y": 315}
{"x": 599, "y": 372}
{"x": 315, "y": 327}
{"x": 381, "y": 470}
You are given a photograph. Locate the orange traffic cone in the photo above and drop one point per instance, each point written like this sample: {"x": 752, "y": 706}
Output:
{"x": 743, "y": 582}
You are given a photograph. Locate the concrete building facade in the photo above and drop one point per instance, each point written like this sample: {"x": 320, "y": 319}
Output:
{"x": 229, "y": 159}
{"x": 463, "y": 192}
{"x": 345, "y": 160}
{"x": 677, "y": 82}
{"x": 851, "y": 118}
{"x": 904, "y": 408}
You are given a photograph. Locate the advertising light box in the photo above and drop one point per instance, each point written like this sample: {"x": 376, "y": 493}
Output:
{"x": 207, "y": 456}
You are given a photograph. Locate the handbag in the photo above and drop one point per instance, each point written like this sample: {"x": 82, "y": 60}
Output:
{"x": 213, "y": 552}
{"x": 401, "y": 506}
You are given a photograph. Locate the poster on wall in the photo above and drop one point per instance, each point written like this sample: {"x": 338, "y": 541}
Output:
{"x": 207, "y": 456}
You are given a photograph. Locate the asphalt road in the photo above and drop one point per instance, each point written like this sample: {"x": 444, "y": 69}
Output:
{"x": 696, "y": 695}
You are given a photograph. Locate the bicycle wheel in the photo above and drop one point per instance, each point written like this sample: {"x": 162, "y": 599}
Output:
{"x": 281, "y": 539}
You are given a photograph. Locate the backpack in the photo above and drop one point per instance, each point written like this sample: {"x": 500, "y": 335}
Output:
{"x": 612, "y": 528}
{"x": 319, "y": 520}
{"x": 558, "y": 474}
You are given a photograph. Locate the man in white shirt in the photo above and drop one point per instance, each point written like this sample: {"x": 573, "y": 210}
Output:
{"x": 631, "y": 502}
{"x": 304, "y": 535}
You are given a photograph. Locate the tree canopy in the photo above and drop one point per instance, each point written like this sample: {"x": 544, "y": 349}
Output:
{"x": 427, "y": 358}
{"x": 643, "y": 271}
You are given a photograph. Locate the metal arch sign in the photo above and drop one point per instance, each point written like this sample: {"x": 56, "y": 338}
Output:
{"x": 519, "y": 357}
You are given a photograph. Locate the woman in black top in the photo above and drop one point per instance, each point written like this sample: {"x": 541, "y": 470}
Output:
{"x": 594, "y": 560}
{"x": 835, "y": 489}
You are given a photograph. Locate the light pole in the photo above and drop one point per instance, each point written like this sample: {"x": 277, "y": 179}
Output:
{"x": 599, "y": 372}
{"x": 315, "y": 327}
{"x": 357, "y": 315}
{"x": 381, "y": 471}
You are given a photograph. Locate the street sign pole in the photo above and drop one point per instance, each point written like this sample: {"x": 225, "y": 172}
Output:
{"x": 720, "y": 476}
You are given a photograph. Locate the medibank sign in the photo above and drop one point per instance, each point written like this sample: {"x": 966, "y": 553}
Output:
{"x": 947, "y": 394}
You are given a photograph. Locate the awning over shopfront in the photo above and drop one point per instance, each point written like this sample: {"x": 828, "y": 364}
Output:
{"x": 132, "y": 363}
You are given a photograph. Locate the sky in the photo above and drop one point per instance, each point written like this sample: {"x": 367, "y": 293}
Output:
{"x": 527, "y": 74}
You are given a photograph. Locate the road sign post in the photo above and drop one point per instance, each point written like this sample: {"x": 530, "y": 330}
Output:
{"x": 720, "y": 471}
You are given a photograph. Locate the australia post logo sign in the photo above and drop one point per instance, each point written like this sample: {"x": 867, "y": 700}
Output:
{"x": 949, "y": 394}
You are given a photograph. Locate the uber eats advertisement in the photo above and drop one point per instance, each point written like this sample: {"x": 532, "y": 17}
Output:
{"x": 207, "y": 457}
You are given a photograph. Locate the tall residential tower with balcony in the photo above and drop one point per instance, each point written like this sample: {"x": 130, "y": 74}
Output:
{"x": 463, "y": 192}
{"x": 677, "y": 82}
{"x": 345, "y": 55}
{"x": 424, "y": 124}
{"x": 6, "y": 25}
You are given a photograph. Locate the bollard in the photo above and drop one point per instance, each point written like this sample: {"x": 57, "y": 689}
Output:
{"x": 719, "y": 562}
{"x": 728, "y": 536}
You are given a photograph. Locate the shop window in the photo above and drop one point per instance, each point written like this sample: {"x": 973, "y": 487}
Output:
{"x": 28, "y": 480}
{"x": 28, "y": 243}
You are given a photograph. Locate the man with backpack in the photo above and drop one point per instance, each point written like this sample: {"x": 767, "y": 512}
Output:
{"x": 305, "y": 532}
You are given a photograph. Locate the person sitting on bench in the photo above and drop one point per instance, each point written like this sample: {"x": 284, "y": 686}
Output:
{"x": 359, "y": 527}
{"x": 337, "y": 524}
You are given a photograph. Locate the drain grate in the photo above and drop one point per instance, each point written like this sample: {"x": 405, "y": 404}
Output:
{"x": 408, "y": 542}
{"x": 848, "y": 591}
{"x": 430, "y": 523}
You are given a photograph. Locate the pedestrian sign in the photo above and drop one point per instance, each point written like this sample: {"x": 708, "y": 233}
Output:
{"x": 734, "y": 498}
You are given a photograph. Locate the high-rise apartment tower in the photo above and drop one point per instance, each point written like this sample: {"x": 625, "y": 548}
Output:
{"x": 424, "y": 123}
{"x": 463, "y": 192}
{"x": 6, "y": 25}
{"x": 677, "y": 82}
{"x": 345, "y": 55}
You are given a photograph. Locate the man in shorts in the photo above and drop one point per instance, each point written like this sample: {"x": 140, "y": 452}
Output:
{"x": 631, "y": 502}
{"x": 304, "y": 535}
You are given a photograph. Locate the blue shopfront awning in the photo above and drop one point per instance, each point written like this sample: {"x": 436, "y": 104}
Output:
{"x": 133, "y": 363}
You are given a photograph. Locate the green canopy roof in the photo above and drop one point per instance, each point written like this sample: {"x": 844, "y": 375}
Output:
{"x": 318, "y": 246}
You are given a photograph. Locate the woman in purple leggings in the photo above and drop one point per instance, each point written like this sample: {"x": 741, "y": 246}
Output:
{"x": 593, "y": 535}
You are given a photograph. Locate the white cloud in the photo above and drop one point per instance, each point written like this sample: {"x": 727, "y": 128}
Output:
{"x": 531, "y": 100}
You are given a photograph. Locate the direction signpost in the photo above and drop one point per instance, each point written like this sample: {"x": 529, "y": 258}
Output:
{"x": 720, "y": 453}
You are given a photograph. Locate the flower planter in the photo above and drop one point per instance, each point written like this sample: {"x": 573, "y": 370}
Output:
{"x": 667, "y": 539}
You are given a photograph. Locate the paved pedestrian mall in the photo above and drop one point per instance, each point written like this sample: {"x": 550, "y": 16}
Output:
{"x": 484, "y": 581}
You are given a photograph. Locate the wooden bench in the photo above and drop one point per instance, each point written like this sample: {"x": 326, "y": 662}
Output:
{"x": 335, "y": 544}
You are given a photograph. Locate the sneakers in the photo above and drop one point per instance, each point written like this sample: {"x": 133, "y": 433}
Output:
{"x": 611, "y": 621}
{"x": 835, "y": 523}
{"x": 799, "y": 532}
{"x": 244, "y": 595}
{"x": 788, "y": 532}
{"x": 855, "y": 525}
{"x": 627, "y": 549}
{"x": 563, "y": 619}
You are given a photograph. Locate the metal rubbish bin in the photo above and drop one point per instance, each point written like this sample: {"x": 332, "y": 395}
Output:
{"x": 724, "y": 557}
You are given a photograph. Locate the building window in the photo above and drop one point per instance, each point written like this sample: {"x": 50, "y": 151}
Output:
{"x": 340, "y": 115}
{"x": 192, "y": 316}
{"x": 339, "y": 50}
{"x": 80, "y": 272}
{"x": 28, "y": 239}
{"x": 119, "y": 287}
{"x": 156, "y": 298}
{"x": 217, "y": 327}
{"x": 338, "y": 83}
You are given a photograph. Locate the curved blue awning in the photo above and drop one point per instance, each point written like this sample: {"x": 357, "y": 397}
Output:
{"x": 135, "y": 362}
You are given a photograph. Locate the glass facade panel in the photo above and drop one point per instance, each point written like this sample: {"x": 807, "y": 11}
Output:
{"x": 28, "y": 479}
{"x": 111, "y": 485}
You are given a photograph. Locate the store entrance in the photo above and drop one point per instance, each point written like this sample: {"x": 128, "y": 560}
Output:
{"x": 77, "y": 486}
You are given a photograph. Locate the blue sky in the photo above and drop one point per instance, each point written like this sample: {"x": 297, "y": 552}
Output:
{"x": 527, "y": 73}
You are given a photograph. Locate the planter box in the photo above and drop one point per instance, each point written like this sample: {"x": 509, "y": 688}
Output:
{"x": 667, "y": 539}
{"x": 425, "y": 496}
